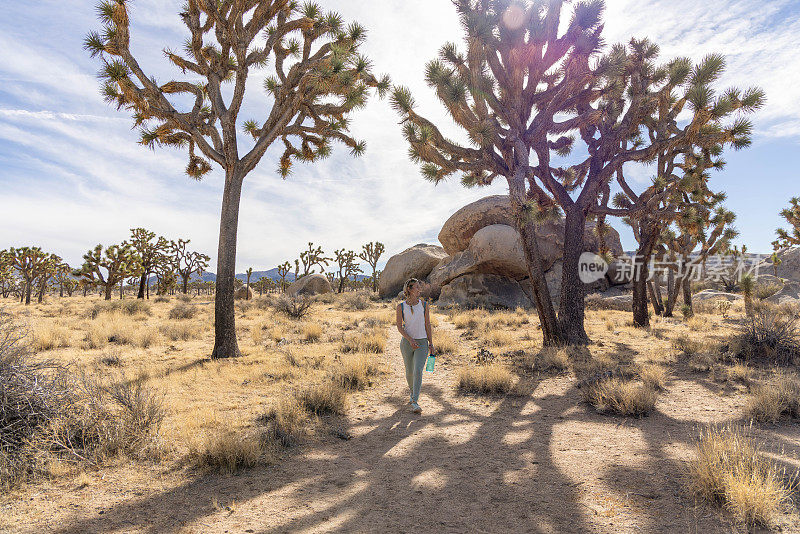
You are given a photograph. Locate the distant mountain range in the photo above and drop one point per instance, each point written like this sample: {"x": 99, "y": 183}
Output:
{"x": 256, "y": 276}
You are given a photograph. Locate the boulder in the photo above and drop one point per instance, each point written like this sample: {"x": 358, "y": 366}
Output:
{"x": 599, "y": 301}
{"x": 243, "y": 293}
{"x": 789, "y": 294}
{"x": 459, "y": 229}
{"x": 789, "y": 267}
{"x": 310, "y": 284}
{"x": 619, "y": 272}
{"x": 710, "y": 294}
{"x": 415, "y": 262}
{"x": 484, "y": 290}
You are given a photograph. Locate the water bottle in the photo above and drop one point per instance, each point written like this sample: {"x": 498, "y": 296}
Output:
{"x": 431, "y": 363}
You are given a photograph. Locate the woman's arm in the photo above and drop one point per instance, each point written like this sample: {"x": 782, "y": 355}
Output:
{"x": 399, "y": 320}
{"x": 428, "y": 328}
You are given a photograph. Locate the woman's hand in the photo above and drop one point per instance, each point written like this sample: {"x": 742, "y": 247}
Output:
{"x": 430, "y": 349}
{"x": 414, "y": 344}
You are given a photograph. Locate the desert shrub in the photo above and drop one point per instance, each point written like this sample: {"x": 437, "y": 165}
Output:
{"x": 311, "y": 332}
{"x": 765, "y": 291}
{"x": 687, "y": 312}
{"x": 772, "y": 399}
{"x": 355, "y": 371}
{"x": 444, "y": 344}
{"x": 730, "y": 471}
{"x": 354, "y": 301}
{"x": 183, "y": 311}
{"x": 295, "y": 307}
{"x": 326, "y": 298}
{"x": 184, "y": 298}
{"x": 373, "y": 341}
{"x": 285, "y": 422}
{"x": 325, "y": 398}
{"x": 498, "y": 338}
{"x": 125, "y": 307}
{"x": 488, "y": 379}
{"x": 265, "y": 302}
{"x": 769, "y": 336}
{"x": 622, "y": 397}
{"x": 161, "y": 299}
{"x": 47, "y": 413}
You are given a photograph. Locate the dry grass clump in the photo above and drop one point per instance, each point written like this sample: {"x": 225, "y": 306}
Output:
{"x": 771, "y": 400}
{"x": 498, "y": 338}
{"x": 622, "y": 397}
{"x": 355, "y": 371}
{"x": 124, "y": 307}
{"x": 230, "y": 451}
{"x": 765, "y": 291}
{"x": 119, "y": 330}
{"x": 469, "y": 319}
{"x": 444, "y": 344}
{"x": 48, "y": 415}
{"x": 295, "y": 307}
{"x": 488, "y": 379}
{"x": 311, "y": 332}
{"x": 731, "y": 471}
{"x": 286, "y": 422}
{"x": 654, "y": 376}
{"x": 179, "y": 331}
{"x": 184, "y": 298}
{"x": 687, "y": 345}
{"x": 183, "y": 311}
{"x": 49, "y": 336}
{"x": 373, "y": 341}
{"x": 547, "y": 360}
{"x": 321, "y": 399}
{"x": 161, "y": 299}
{"x": 769, "y": 336}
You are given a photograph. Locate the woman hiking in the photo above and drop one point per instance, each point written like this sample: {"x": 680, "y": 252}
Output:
{"x": 414, "y": 324}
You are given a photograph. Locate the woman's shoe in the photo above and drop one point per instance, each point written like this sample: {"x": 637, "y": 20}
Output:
{"x": 416, "y": 408}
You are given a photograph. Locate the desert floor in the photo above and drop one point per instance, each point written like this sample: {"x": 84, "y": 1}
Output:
{"x": 536, "y": 459}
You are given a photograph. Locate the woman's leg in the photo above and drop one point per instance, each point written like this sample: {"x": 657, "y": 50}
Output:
{"x": 408, "y": 360}
{"x": 420, "y": 357}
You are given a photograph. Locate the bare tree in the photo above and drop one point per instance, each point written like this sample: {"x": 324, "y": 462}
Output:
{"x": 313, "y": 256}
{"x": 318, "y": 79}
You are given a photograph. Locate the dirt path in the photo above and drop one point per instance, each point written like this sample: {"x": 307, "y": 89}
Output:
{"x": 542, "y": 463}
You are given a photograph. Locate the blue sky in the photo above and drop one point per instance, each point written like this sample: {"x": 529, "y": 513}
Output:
{"x": 73, "y": 176}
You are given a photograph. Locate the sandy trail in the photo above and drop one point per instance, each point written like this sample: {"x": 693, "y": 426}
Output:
{"x": 541, "y": 463}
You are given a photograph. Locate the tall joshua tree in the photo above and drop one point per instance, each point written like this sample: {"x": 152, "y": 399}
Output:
{"x": 318, "y": 78}
{"x": 284, "y": 269}
{"x": 151, "y": 251}
{"x": 346, "y": 261}
{"x": 249, "y": 273}
{"x": 371, "y": 254}
{"x": 47, "y": 271}
{"x": 525, "y": 89}
{"x": 313, "y": 256}
{"x": 7, "y": 278}
{"x": 28, "y": 262}
{"x": 108, "y": 267}
{"x": 187, "y": 262}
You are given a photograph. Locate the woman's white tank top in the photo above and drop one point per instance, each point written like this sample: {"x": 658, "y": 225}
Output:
{"x": 414, "y": 322}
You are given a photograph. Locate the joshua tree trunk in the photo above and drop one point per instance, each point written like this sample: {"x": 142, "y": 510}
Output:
{"x": 673, "y": 296}
{"x": 641, "y": 274}
{"x": 40, "y": 296}
{"x": 108, "y": 290}
{"x": 225, "y": 345}
{"x": 687, "y": 296}
{"x": 374, "y": 280}
{"x": 142, "y": 283}
{"x": 551, "y": 333}
{"x": 655, "y": 296}
{"x": 28, "y": 291}
{"x": 571, "y": 308}
{"x": 185, "y": 286}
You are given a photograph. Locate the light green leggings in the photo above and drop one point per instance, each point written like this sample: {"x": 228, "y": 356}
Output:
{"x": 415, "y": 363}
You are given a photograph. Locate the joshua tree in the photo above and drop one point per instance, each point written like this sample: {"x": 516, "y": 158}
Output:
{"x": 319, "y": 79}
{"x": 63, "y": 276}
{"x": 748, "y": 284}
{"x": 284, "y": 270}
{"x": 28, "y": 262}
{"x": 7, "y": 279}
{"x": 774, "y": 258}
{"x": 70, "y": 284}
{"x": 792, "y": 216}
{"x": 47, "y": 271}
{"x": 346, "y": 260}
{"x": 311, "y": 258}
{"x": 187, "y": 262}
{"x": 372, "y": 254}
{"x": 249, "y": 273}
{"x": 150, "y": 250}
{"x": 118, "y": 262}
{"x": 525, "y": 89}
